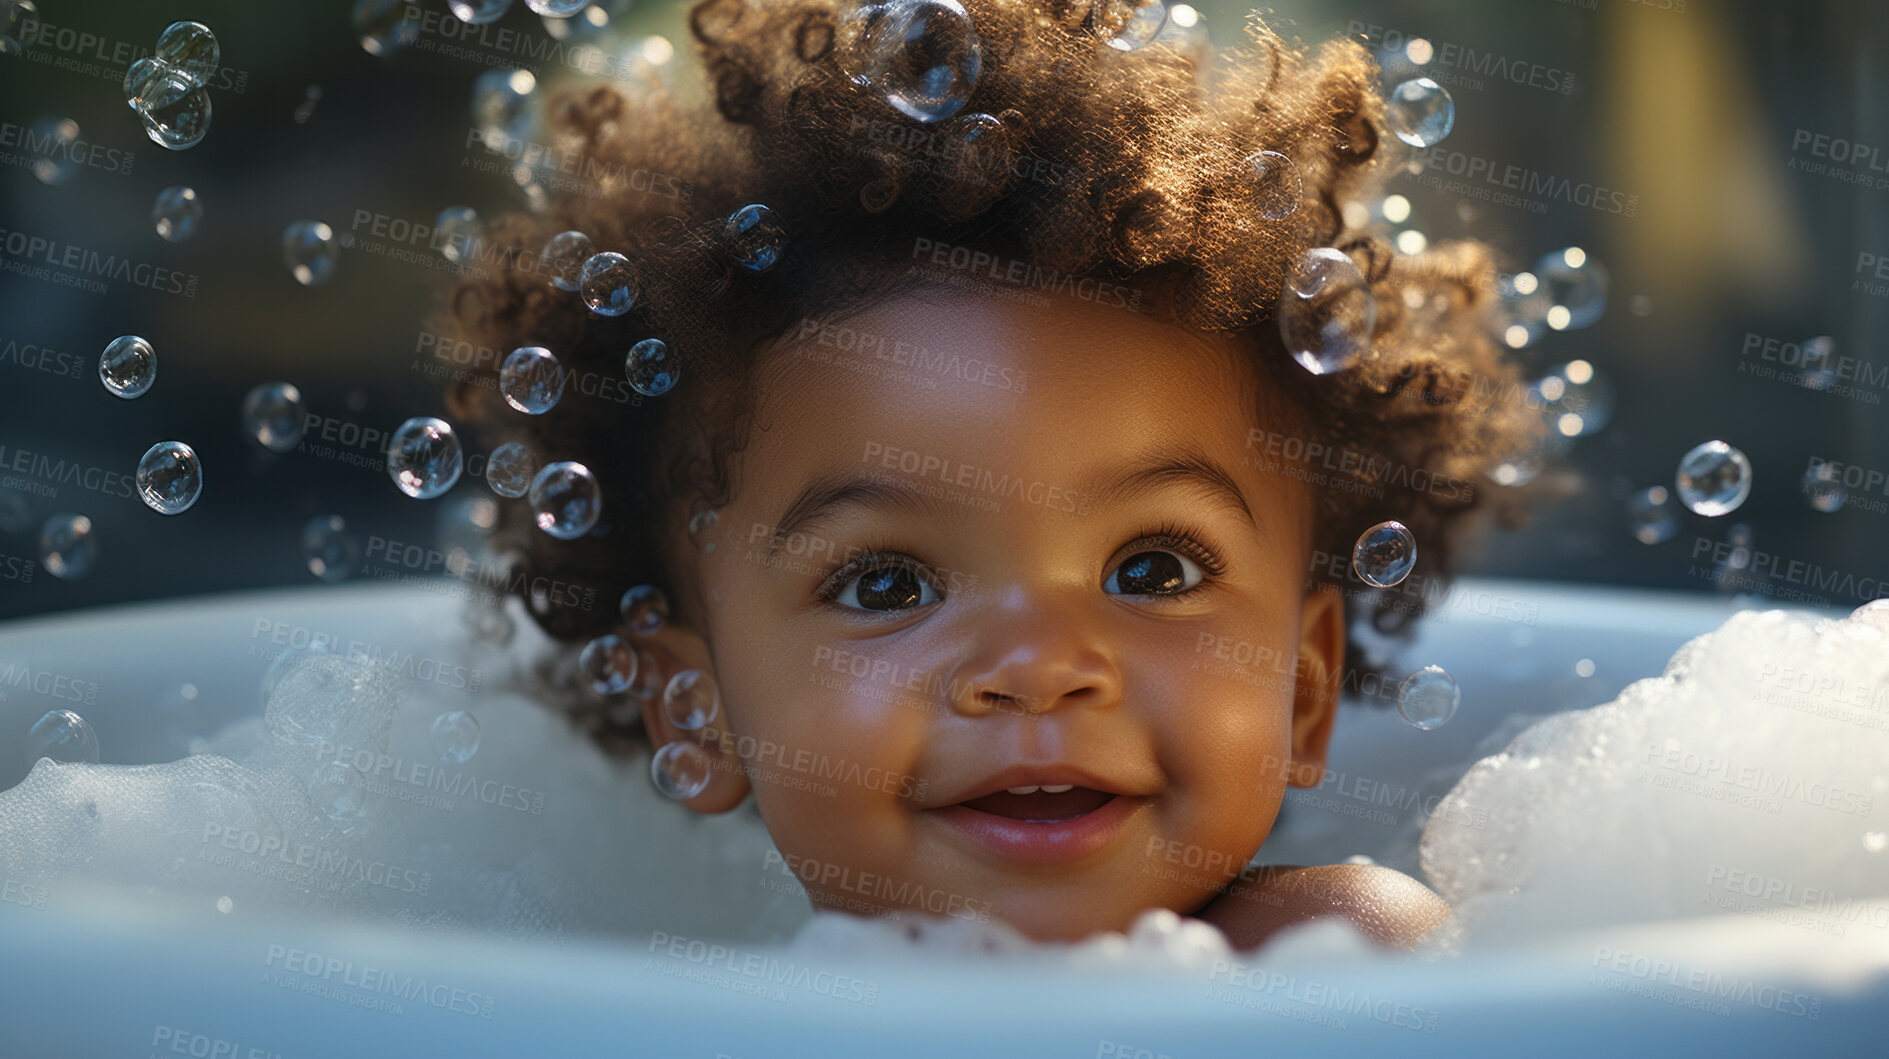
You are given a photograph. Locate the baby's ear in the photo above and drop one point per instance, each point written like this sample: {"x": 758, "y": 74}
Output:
{"x": 1321, "y": 663}
{"x": 672, "y": 649}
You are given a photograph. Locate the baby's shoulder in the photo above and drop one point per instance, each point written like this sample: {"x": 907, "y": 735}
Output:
{"x": 1391, "y": 908}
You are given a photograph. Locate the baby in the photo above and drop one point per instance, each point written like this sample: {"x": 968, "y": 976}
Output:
{"x": 998, "y": 463}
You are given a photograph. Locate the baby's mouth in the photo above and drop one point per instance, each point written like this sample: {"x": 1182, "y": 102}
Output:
{"x": 1041, "y": 804}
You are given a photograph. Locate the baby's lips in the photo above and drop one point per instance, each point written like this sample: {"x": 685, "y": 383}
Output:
{"x": 1041, "y": 805}
{"x": 1043, "y": 775}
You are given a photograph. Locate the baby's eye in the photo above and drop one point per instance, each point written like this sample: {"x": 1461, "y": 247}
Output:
{"x": 1154, "y": 573}
{"x": 886, "y": 586}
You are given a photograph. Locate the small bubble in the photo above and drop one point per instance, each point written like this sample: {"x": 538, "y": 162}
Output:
{"x": 1276, "y": 185}
{"x": 143, "y": 81}
{"x": 1876, "y": 841}
{"x": 490, "y": 624}
{"x": 1652, "y": 515}
{"x": 509, "y": 469}
{"x": 532, "y": 380}
{"x": 1823, "y": 487}
{"x": 1575, "y": 399}
{"x": 922, "y": 56}
{"x": 455, "y": 736}
{"x": 691, "y": 700}
{"x": 170, "y": 478}
{"x": 1574, "y": 286}
{"x": 680, "y": 770}
{"x": 651, "y": 370}
{"x": 191, "y": 48}
{"x": 1713, "y": 479}
{"x": 309, "y": 250}
{"x": 329, "y": 549}
{"x": 1385, "y": 554}
{"x": 1420, "y": 112}
{"x": 386, "y": 26}
{"x": 565, "y": 499}
{"x": 458, "y": 232}
{"x": 557, "y": 8}
{"x": 563, "y": 259}
{"x": 609, "y": 663}
{"x": 1327, "y": 312}
{"x": 274, "y": 416}
{"x": 1584, "y": 668}
{"x": 55, "y": 146}
{"x": 225, "y": 905}
{"x": 175, "y": 213}
{"x": 479, "y": 12}
{"x": 702, "y": 530}
{"x": 502, "y": 106}
{"x": 645, "y": 610}
{"x": 754, "y": 237}
{"x": 1129, "y": 25}
{"x": 336, "y": 794}
{"x": 174, "y": 108}
{"x": 62, "y": 736}
{"x": 423, "y": 457}
{"x": 608, "y": 283}
{"x": 1428, "y": 698}
{"x": 67, "y": 546}
{"x": 128, "y": 366}
{"x": 19, "y": 26}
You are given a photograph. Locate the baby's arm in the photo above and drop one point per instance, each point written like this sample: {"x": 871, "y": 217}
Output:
{"x": 1390, "y": 907}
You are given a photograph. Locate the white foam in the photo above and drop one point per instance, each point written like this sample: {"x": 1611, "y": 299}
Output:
{"x": 1751, "y": 777}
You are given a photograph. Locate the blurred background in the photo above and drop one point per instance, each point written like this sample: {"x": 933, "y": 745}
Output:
{"x": 1725, "y": 163}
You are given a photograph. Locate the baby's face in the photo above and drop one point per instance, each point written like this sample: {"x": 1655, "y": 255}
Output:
{"x": 1017, "y": 548}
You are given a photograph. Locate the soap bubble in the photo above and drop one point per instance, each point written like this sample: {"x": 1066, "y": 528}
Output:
{"x": 170, "y": 478}
{"x": 336, "y": 792}
{"x": 563, "y": 259}
{"x": 190, "y": 48}
{"x": 1575, "y": 399}
{"x": 557, "y": 8}
{"x": 691, "y": 701}
{"x": 479, "y": 12}
{"x": 128, "y": 366}
{"x": 386, "y": 26}
{"x": 457, "y": 232}
{"x": 19, "y": 26}
{"x": 922, "y": 56}
{"x": 531, "y": 380}
{"x": 310, "y": 251}
{"x": 1574, "y": 286}
{"x": 609, "y": 663}
{"x": 501, "y": 105}
{"x": 67, "y": 546}
{"x": 54, "y": 141}
{"x": 175, "y": 109}
{"x": 1652, "y": 515}
{"x": 1420, "y": 112}
{"x": 1428, "y": 698}
{"x": 175, "y": 213}
{"x": 274, "y": 416}
{"x": 1714, "y": 479}
{"x": 702, "y": 530}
{"x": 585, "y": 25}
{"x": 330, "y": 550}
{"x": 509, "y": 468}
{"x": 1128, "y": 25}
{"x": 62, "y": 736}
{"x": 645, "y": 610}
{"x": 1823, "y": 487}
{"x": 1327, "y": 312}
{"x": 608, "y": 284}
{"x": 652, "y": 371}
{"x": 1276, "y": 186}
{"x": 423, "y": 457}
{"x": 1385, "y": 554}
{"x": 566, "y": 499}
{"x": 144, "y": 81}
{"x": 455, "y": 736}
{"x": 754, "y": 237}
{"x": 680, "y": 770}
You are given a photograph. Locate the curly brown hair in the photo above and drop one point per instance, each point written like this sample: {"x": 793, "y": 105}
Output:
{"x": 1074, "y": 157}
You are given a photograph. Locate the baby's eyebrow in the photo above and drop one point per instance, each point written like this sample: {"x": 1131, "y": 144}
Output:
{"x": 834, "y": 490}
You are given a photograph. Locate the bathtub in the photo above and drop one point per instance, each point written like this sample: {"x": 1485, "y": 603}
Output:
{"x": 113, "y": 960}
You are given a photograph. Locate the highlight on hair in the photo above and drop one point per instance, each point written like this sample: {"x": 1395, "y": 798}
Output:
{"x": 1069, "y": 155}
